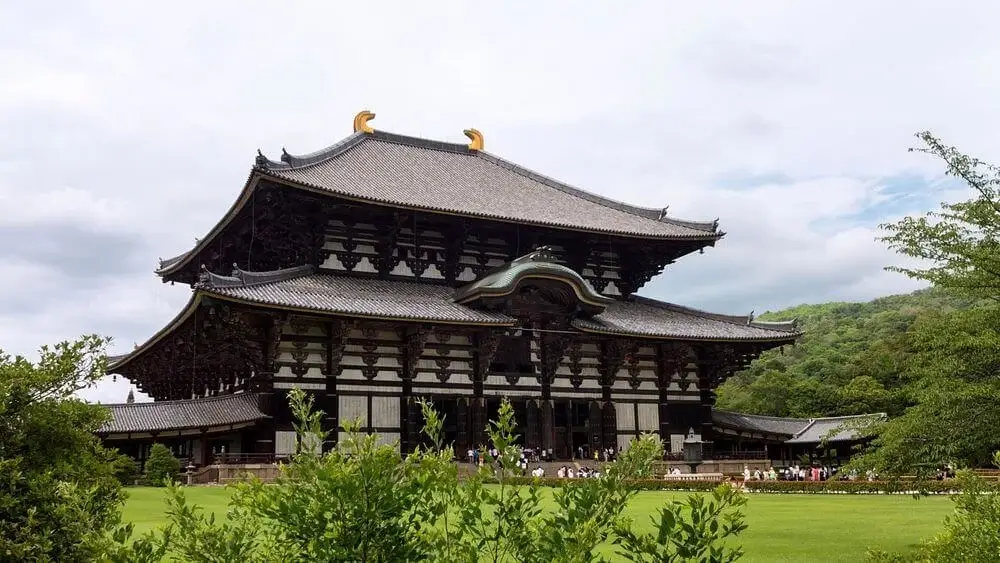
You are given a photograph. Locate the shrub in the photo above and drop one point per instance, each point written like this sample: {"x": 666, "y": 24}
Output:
{"x": 161, "y": 466}
{"x": 363, "y": 501}
{"x": 125, "y": 468}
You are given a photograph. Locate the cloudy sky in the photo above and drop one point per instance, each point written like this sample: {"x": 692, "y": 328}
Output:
{"x": 126, "y": 132}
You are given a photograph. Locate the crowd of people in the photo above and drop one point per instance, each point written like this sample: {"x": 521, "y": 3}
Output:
{"x": 803, "y": 473}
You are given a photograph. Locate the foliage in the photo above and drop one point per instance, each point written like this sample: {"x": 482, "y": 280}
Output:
{"x": 363, "y": 501}
{"x": 59, "y": 497}
{"x": 971, "y": 534}
{"x": 161, "y": 466}
{"x": 694, "y": 530}
{"x": 961, "y": 242}
{"x": 853, "y": 358}
{"x": 952, "y": 359}
{"x": 126, "y": 470}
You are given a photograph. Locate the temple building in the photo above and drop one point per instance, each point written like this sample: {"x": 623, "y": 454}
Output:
{"x": 387, "y": 268}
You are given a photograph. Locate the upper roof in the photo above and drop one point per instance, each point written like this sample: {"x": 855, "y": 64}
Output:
{"x": 798, "y": 430}
{"x": 158, "y": 416}
{"x": 411, "y": 172}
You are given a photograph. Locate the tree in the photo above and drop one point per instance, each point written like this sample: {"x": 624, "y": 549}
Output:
{"x": 161, "y": 467}
{"x": 59, "y": 496}
{"x": 961, "y": 242}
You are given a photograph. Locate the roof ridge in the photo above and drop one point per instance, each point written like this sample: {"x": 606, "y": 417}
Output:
{"x": 849, "y": 416}
{"x": 172, "y": 401}
{"x": 805, "y": 428}
{"x": 249, "y": 278}
{"x": 769, "y": 417}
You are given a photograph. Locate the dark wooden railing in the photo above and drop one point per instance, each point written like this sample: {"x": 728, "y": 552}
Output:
{"x": 235, "y": 459}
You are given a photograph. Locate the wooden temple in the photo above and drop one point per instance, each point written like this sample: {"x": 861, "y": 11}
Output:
{"x": 387, "y": 268}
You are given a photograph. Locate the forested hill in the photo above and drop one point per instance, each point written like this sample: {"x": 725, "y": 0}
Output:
{"x": 851, "y": 360}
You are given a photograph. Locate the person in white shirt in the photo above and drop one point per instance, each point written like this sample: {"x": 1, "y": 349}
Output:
{"x": 570, "y": 474}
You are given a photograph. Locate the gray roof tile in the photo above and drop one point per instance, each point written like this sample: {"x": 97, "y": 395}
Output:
{"x": 296, "y": 288}
{"x": 834, "y": 429}
{"x": 395, "y": 169}
{"x": 799, "y": 430}
{"x": 177, "y": 415}
{"x": 361, "y": 297}
{"x": 649, "y": 317}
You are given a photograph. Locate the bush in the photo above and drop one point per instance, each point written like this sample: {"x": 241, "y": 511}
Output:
{"x": 125, "y": 468}
{"x": 364, "y": 501}
{"x": 161, "y": 467}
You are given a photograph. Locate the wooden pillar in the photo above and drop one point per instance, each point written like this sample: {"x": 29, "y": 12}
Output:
{"x": 594, "y": 436}
{"x": 413, "y": 338}
{"x": 547, "y": 429}
{"x": 486, "y": 345}
{"x": 609, "y": 426}
{"x": 533, "y": 435}
{"x": 203, "y": 449}
{"x": 337, "y": 333}
{"x": 462, "y": 421}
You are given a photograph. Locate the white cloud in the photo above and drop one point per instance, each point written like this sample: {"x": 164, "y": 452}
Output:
{"x": 137, "y": 127}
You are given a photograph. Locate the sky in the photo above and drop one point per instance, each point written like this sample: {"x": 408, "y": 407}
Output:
{"x": 126, "y": 131}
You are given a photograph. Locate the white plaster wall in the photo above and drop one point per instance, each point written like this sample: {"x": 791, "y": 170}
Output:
{"x": 626, "y": 416}
{"x": 385, "y": 412}
{"x": 649, "y": 417}
{"x": 284, "y": 442}
{"x": 352, "y": 408}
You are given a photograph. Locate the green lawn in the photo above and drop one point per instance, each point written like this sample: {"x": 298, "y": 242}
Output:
{"x": 782, "y": 527}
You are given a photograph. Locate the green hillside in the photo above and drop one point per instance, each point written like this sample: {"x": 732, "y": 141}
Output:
{"x": 848, "y": 362}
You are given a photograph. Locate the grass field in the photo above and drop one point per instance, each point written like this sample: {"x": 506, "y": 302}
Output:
{"x": 782, "y": 527}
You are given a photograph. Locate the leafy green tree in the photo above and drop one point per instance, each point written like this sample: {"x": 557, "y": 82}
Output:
{"x": 960, "y": 243}
{"x": 161, "y": 466}
{"x": 59, "y": 497}
{"x": 953, "y": 359}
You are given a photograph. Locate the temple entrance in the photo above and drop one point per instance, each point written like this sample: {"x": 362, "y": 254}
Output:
{"x": 521, "y": 428}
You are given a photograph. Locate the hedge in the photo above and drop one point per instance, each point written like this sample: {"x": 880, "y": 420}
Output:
{"x": 789, "y": 487}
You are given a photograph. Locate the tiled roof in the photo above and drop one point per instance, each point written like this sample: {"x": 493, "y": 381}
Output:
{"x": 297, "y": 288}
{"x": 178, "y": 415}
{"x": 355, "y": 296}
{"x": 835, "y": 429}
{"x": 419, "y": 173}
{"x": 799, "y": 430}
{"x": 758, "y": 423}
{"x": 643, "y": 316}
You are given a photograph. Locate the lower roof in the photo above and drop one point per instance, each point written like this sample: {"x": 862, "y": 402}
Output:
{"x": 301, "y": 288}
{"x": 798, "y": 430}
{"x": 207, "y": 413}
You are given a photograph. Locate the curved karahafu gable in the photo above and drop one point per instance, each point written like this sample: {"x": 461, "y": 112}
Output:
{"x": 538, "y": 265}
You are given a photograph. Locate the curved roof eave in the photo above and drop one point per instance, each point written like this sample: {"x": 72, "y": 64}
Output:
{"x": 171, "y": 265}
{"x": 178, "y": 320}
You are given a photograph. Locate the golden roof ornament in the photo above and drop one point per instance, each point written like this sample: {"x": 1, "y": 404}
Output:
{"x": 476, "y": 137}
{"x": 361, "y": 122}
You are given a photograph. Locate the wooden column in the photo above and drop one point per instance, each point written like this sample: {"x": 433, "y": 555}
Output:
{"x": 612, "y": 357}
{"x": 462, "y": 421}
{"x": 533, "y": 436}
{"x": 715, "y": 362}
{"x": 414, "y": 338}
{"x": 486, "y": 345}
